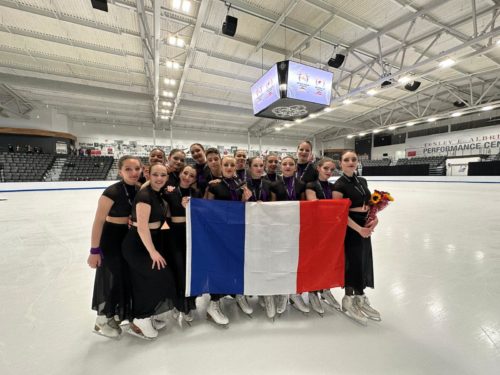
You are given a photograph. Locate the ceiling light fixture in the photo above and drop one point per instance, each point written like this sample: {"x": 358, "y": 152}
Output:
{"x": 456, "y": 114}
{"x": 432, "y": 119}
{"x": 404, "y": 79}
{"x": 350, "y": 136}
{"x": 392, "y": 127}
{"x": 447, "y": 63}
{"x": 372, "y": 92}
{"x": 410, "y": 123}
{"x": 487, "y": 108}
{"x": 347, "y": 101}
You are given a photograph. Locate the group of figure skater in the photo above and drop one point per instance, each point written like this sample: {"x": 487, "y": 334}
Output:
{"x": 138, "y": 241}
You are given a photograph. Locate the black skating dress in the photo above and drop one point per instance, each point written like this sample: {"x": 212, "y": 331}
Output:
{"x": 288, "y": 188}
{"x": 358, "y": 250}
{"x": 111, "y": 294}
{"x": 306, "y": 172}
{"x": 176, "y": 246}
{"x": 153, "y": 290}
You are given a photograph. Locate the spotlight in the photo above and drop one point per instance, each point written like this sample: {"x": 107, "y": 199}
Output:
{"x": 410, "y": 123}
{"x": 350, "y": 136}
{"x": 392, "y": 127}
{"x": 336, "y": 61}
{"x": 432, "y": 119}
{"x": 377, "y": 131}
{"x": 447, "y": 63}
{"x": 229, "y": 25}
{"x": 459, "y": 104}
{"x": 404, "y": 80}
{"x": 386, "y": 83}
{"x": 487, "y": 108}
{"x": 456, "y": 114}
{"x": 412, "y": 86}
{"x": 347, "y": 101}
{"x": 372, "y": 92}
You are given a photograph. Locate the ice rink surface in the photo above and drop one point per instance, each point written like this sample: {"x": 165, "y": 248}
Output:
{"x": 437, "y": 286}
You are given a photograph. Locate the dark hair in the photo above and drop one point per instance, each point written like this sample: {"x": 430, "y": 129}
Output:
{"x": 124, "y": 158}
{"x": 197, "y": 144}
{"x": 323, "y": 161}
{"x": 308, "y": 142}
{"x": 174, "y": 150}
{"x": 251, "y": 160}
{"x": 159, "y": 149}
{"x": 347, "y": 151}
{"x": 211, "y": 150}
{"x": 271, "y": 154}
{"x": 240, "y": 149}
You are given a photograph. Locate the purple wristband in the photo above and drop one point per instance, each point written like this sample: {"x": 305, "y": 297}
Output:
{"x": 95, "y": 251}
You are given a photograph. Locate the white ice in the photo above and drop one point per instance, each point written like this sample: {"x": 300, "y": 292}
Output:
{"x": 437, "y": 286}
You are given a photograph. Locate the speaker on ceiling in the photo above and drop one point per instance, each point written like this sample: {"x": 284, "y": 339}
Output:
{"x": 336, "y": 62}
{"x": 100, "y": 4}
{"x": 459, "y": 104}
{"x": 412, "y": 86}
{"x": 229, "y": 25}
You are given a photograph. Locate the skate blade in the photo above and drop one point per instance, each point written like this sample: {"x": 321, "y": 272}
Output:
{"x": 132, "y": 331}
{"x": 296, "y": 308}
{"x": 362, "y": 323}
{"x": 99, "y": 333}
{"x": 211, "y": 320}
{"x": 338, "y": 308}
{"x": 374, "y": 319}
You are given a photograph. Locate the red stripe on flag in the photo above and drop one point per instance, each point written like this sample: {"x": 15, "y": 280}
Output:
{"x": 323, "y": 224}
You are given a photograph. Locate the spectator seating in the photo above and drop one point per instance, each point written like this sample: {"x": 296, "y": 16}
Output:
{"x": 24, "y": 167}
{"x": 375, "y": 163}
{"x": 86, "y": 168}
{"x": 433, "y": 161}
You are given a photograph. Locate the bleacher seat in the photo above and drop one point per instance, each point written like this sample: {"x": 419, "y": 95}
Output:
{"x": 86, "y": 168}
{"x": 25, "y": 167}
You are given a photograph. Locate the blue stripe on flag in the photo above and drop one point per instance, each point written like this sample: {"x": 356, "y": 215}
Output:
{"x": 218, "y": 247}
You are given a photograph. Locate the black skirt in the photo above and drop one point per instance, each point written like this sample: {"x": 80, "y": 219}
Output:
{"x": 112, "y": 282}
{"x": 153, "y": 290}
{"x": 176, "y": 258}
{"x": 358, "y": 256}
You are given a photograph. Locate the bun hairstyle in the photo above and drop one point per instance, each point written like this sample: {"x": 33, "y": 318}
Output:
{"x": 308, "y": 142}
{"x": 197, "y": 144}
{"x": 323, "y": 161}
{"x": 289, "y": 157}
{"x": 251, "y": 160}
{"x": 175, "y": 150}
{"x": 346, "y": 152}
{"x": 152, "y": 165}
{"x": 158, "y": 149}
{"x": 124, "y": 158}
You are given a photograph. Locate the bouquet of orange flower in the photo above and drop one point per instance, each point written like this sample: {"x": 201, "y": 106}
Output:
{"x": 378, "y": 201}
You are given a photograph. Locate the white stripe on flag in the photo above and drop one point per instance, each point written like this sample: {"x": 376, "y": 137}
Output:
{"x": 188, "y": 249}
{"x": 271, "y": 247}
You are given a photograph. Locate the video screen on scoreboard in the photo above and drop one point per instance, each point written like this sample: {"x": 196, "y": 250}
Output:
{"x": 266, "y": 90}
{"x": 309, "y": 84}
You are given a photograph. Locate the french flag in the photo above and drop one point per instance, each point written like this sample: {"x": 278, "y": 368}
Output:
{"x": 270, "y": 248}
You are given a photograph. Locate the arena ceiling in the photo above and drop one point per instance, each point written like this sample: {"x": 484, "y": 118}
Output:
{"x": 167, "y": 64}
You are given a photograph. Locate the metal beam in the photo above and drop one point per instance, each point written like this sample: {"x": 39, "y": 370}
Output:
{"x": 202, "y": 13}
{"x": 277, "y": 24}
{"x": 310, "y": 37}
